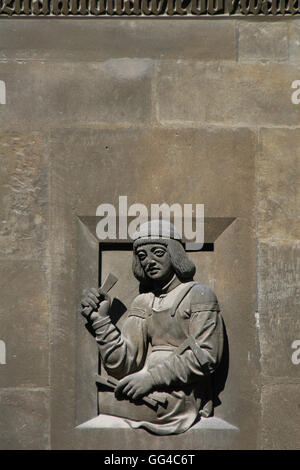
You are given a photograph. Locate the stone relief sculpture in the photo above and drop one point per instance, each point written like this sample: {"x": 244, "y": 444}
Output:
{"x": 162, "y": 363}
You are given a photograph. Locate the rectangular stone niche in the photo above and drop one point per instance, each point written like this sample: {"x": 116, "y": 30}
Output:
{"x": 228, "y": 427}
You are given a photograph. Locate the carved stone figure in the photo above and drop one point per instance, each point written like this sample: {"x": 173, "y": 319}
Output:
{"x": 171, "y": 342}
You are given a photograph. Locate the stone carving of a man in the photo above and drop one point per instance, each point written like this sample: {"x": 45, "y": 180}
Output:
{"x": 171, "y": 342}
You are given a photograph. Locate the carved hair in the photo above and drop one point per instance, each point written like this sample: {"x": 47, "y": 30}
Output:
{"x": 182, "y": 264}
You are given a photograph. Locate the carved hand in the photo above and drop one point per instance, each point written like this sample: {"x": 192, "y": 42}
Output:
{"x": 135, "y": 386}
{"x": 99, "y": 303}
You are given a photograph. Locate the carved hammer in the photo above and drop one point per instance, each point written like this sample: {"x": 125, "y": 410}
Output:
{"x": 112, "y": 383}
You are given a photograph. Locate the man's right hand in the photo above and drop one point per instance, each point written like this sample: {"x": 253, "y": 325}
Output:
{"x": 95, "y": 304}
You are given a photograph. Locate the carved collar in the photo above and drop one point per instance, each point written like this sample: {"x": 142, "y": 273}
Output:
{"x": 174, "y": 282}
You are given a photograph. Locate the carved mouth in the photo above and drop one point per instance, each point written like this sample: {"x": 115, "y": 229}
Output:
{"x": 153, "y": 270}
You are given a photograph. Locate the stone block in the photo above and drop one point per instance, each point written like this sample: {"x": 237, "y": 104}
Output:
{"x": 233, "y": 269}
{"x": 42, "y": 94}
{"x": 227, "y": 94}
{"x": 98, "y": 39}
{"x": 263, "y": 41}
{"x": 294, "y": 42}
{"x": 209, "y": 433}
{"x": 278, "y": 193}
{"x": 25, "y": 419}
{"x": 24, "y": 195}
{"x": 278, "y": 307}
{"x": 24, "y": 320}
{"x": 281, "y": 417}
{"x": 154, "y": 166}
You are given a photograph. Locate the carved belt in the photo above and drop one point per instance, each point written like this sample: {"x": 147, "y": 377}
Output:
{"x": 163, "y": 348}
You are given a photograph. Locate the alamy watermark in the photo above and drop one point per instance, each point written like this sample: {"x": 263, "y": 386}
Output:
{"x": 2, "y": 92}
{"x": 2, "y": 352}
{"x": 123, "y": 222}
{"x": 296, "y": 353}
{"x": 295, "y": 97}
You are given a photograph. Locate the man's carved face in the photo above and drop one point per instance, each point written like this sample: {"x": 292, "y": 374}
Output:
{"x": 155, "y": 261}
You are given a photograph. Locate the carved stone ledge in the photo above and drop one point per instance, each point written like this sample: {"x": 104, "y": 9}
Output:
{"x": 104, "y": 421}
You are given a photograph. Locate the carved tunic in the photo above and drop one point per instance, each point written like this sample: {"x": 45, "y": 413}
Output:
{"x": 177, "y": 335}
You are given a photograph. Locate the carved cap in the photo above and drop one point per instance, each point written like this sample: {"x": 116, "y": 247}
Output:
{"x": 156, "y": 230}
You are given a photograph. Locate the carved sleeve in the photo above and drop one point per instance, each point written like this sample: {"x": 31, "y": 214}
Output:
{"x": 202, "y": 350}
{"x": 123, "y": 353}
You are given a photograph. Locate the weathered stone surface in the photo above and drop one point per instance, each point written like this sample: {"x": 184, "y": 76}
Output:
{"x": 294, "y": 42}
{"x": 25, "y": 420}
{"x": 114, "y": 91}
{"x": 24, "y": 321}
{"x": 234, "y": 265}
{"x": 124, "y": 439}
{"x": 155, "y": 165}
{"x": 101, "y": 74}
{"x": 281, "y": 417}
{"x": 278, "y": 307}
{"x": 24, "y": 194}
{"x": 278, "y": 193}
{"x": 98, "y": 39}
{"x": 238, "y": 94}
{"x": 263, "y": 41}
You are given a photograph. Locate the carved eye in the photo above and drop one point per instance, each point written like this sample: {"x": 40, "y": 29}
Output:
{"x": 141, "y": 255}
{"x": 159, "y": 252}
